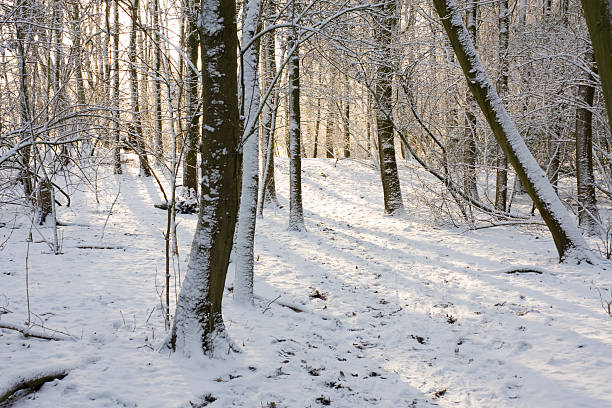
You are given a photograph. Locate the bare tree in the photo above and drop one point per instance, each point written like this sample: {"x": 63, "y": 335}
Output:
{"x": 566, "y": 236}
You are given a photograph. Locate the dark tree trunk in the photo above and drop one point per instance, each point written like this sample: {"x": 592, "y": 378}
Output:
{"x": 588, "y": 216}
{"x": 159, "y": 147}
{"x": 138, "y": 142}
{"x": 501, "y": 179}
{"x": 329, "y": 132}
{"x": 296, "y": 214}
{"x": 198, "y": 323}
{"x": 115, "y": 87}
{"x": 316, "y": 129}
{"x": 469, "y": 136}
{"x": 598, "y": 14}
{"x": 192, "y": 101}
{"x": 384, "y": 31}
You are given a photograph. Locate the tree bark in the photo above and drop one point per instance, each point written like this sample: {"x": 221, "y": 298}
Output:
{"x": 198, "y": 325}
{"x": 329, "y": 131}
{"x": 501, "y": 179}
{"x": 247, "y": 216}
{"x": 115, "y": 88}
{"x": 269, "y": 112}
{"x": 136, "y": 118}
{"x": 598, "y": 14}
{"x": 384, "y": 31}
{"x": 192, "y": 101}
{"x": 567, "y": 238}
{"x": 588, "y": 216}
{"x": 296, "y": 214}
{"x": 469, "y": 136}
{"x": 159, "y": 147}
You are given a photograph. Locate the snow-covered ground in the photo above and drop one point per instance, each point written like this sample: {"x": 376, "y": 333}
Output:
{"x": 395, "y": 312}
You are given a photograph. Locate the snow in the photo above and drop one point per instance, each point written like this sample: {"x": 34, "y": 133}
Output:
{"x": 395, "y": 310}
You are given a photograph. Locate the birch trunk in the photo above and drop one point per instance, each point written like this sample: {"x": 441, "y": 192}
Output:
{"x": 268, "y": 47}
{"x": 247, "y": 216}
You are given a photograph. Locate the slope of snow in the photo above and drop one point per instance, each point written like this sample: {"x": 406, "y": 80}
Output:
{"x": 393, "y": 310}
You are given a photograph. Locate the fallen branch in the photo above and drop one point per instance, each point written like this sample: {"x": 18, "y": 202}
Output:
{"x": 522, "y": 269}
{"x": 287, "y": 305}
{"x": 99, "y": 247}
{"x": 505, "y": 224}
{"x": 32, "y": 381}
{"x": 38, "y": 334}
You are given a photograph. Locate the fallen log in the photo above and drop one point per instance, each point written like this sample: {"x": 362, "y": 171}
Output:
{"x": 31, "y": 381}
{"x": 38, "y": 334}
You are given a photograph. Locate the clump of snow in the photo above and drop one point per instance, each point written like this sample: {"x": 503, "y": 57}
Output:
{"x": 186, "y": 200}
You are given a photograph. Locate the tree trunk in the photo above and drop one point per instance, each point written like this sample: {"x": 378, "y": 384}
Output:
{"x": 329, "y": 131}
{"x": 588, "y": 216}
{"x": 159, "y": 147}
{"x": 296, "y": 215}
{"x": 247, "y": 216}
{"x": 346, "y": 120}
{"x": 269, "y": 112}
{"x": 192, "y": 101}
{"x": 384, "y": 32}
{"x": 469, "y": 136}
{"x": 198, "y": 324}
{"x": 115, "y": 88}
{"x": 501, "y": 179}
{"x": 316, "y": 129}
{"x": 138, "y": 143}
{"x": 566, "y": 236}
{"x": 23, "y": 43}
{"x": 598, "y": 14}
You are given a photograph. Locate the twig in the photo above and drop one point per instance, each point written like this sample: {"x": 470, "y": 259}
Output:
{"x": 296, "y": 309}
{"x": 270, "y": 303}
{"x": 110, "y": 211}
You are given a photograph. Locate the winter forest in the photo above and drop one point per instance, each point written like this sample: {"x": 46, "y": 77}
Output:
{"x": 304, "y": 203}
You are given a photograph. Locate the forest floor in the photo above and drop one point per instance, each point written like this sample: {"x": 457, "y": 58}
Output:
{"x": 395, "y": 311}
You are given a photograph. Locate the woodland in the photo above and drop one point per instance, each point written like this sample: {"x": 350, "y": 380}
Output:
{"x": 301, "y": 203}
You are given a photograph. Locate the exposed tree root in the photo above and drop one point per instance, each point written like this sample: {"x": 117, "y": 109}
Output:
{"x": 30, "y": 332}
{"x": 32, "y": 382}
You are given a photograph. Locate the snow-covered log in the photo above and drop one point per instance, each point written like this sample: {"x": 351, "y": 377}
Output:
{"x": 33, "y": 380}
{"x": 35, "y": 333}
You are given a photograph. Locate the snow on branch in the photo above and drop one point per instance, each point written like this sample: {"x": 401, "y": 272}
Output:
{"x": 54, "y": 335}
